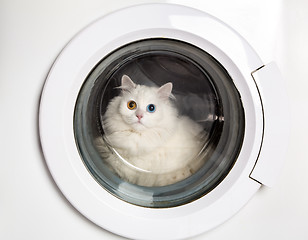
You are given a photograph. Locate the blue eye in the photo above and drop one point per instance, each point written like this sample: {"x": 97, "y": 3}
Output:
{"x": 151, "y": 108}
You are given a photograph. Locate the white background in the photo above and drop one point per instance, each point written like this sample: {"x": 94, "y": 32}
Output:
{"x": 33, "y": 32}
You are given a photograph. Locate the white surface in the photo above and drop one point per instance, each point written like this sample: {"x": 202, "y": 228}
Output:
{"x": 32, "y": 34}
{"x": 58, "y": 103}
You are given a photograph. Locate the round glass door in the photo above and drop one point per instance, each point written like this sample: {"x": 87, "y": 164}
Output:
{"x": 159, "y": 123}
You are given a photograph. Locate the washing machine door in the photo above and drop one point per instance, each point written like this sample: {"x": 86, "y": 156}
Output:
{"x": 153, "y": 120}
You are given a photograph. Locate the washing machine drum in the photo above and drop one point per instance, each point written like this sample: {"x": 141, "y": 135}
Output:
{"x": 155, "y": 127}
{"x": 187, "y": 139}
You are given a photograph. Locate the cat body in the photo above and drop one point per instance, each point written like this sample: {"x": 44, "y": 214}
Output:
{"x": 150, "y": 144}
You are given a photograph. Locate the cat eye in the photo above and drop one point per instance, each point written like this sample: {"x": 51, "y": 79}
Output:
{"x": 131, "y": 105}
{"x": 151, "y": 108}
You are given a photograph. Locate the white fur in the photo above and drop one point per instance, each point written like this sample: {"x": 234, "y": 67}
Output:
{"x": 158, "y": 149}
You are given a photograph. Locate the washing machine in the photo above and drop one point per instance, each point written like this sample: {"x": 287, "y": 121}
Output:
{"x": 204, "y": 73}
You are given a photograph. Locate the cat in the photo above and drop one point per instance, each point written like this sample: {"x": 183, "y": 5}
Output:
{"x": 145, "y": 141}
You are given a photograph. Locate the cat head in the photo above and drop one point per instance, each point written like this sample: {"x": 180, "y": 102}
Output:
{"x": 143, "y": 107}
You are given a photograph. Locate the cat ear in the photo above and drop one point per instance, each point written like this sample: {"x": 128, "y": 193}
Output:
{"x": 164, "y": 91}
{"x": 127, "y": 84}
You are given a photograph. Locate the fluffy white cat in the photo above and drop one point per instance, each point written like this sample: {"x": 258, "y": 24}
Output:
{"x": 145, "y": 141}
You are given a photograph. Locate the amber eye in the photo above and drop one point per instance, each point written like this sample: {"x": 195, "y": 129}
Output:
{"x": 131, "y": 105}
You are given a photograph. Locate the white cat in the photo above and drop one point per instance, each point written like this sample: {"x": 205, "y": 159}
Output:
{"x": 148, "y": 143}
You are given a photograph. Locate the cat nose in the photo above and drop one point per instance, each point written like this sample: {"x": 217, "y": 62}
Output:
{"x": 139, "y": 116}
